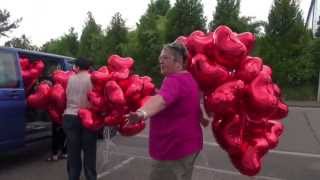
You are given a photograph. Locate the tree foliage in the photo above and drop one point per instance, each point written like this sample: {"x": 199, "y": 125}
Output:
{"x": 150, "y": 38}
{"x": 5, "y": 24}
{"x": 117, "y": 36}
{"x": 228, "y": 13}
{"x": 285, "y": 42}
{"x": 91, "y": 41}
{"x": 21, "y": 42}
{"x": 67, "y": 45}
{"x": 185, "y": 17}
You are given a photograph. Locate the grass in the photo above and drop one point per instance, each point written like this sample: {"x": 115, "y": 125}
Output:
{"x": 300, "y": 93}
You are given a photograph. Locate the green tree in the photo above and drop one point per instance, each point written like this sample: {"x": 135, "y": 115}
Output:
{"x": 91, "y": 41}
{"x": 67, "y": 45}
{"x": 23, "y": 42}
{"x": 159, "y": 7}
{"x": 5, "y": 24}
{"x": 150, "y": 36}
{"x": 228, "y": 13}
{"x": 117, "y": 36}
{"x": 132, "y": 48}
{"x": 185, "y": 17}
{"x": 285, "y": 42}
{"x": 312, "y": 52}
{"x": 317, "y": 34}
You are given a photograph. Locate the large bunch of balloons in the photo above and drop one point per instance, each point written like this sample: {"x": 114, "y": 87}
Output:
{"x": 116, "y": 91}
{"x": 239, "y": 91}
{"x": 31, "y": 71}
{"x": 51, "y": 97}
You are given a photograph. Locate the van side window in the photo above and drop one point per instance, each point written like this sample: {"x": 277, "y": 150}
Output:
{"x": 50, "y": 67}
{"x": 8, "y": 70}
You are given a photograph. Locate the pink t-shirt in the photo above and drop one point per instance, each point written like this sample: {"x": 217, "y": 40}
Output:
{"x": 175, "y": 132}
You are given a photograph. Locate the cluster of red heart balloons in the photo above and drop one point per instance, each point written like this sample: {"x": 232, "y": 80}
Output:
{"x": 116, "y": 91}
{"x": 31, "y": 71}
{"x": 52, "y": 98}
{"x": 239, "y": 91}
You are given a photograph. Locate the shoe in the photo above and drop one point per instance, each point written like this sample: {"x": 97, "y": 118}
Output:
{"x": 63, "y": 156}
{"x": 53, "y": 158}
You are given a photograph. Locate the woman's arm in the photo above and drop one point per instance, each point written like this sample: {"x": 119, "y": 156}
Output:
{"x": 205, "y": 117}
{"x": 153, "y": 105}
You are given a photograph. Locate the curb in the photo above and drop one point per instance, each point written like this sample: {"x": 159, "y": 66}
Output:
{"x": 302, "y": 104}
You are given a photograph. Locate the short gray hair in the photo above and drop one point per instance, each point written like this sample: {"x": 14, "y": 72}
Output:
{"x": 179, "y": 50}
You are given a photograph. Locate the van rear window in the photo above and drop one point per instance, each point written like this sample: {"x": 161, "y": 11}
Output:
{"x": 8, "y": 70}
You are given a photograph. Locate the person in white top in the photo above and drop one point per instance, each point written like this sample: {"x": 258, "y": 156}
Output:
{"x": 78, "y": 137}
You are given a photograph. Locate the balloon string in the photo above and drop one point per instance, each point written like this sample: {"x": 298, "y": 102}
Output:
{"x": 108, "y": 145}
{"x": 244, "y": 123}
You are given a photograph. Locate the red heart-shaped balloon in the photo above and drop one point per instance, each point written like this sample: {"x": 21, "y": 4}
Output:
{"x": 267, "y": 70}
{"x": 114, "y": 93}
{"x": 148, "y": 86}
{"x": 55, "y": 114}
{"x": 90, "y": 120}
{"x": 134, "y": 90}
{"x": 182, "y": 40}
{"x": 114, "y": 118}
{"x": 100, "y": 77}
{"x": 97, "y": 101}
{"x": 250, "y": 162}
{"x": 280, "y": 112}
{"x": 39, "y": 66}
{"x": 231, "y": 134}
{"x": 273, "y": 131}
{"x": 24, "y": 63}
{"x": 262, "y": 100}
{"x": 120, "y": 67}
{"x": 249, "y": 69}
{"x": 131, "y": 129}
{"x": 58, "y": 97}
{"x": 229, "y": 50}
{"x": 208, "y": 75}
{"x": 40, "y": 99}
{"x": 199, "y": 43}
{"x": 248, "y": 39}
{"x": 225, "y": 99}
{"x": 61, "y": 77}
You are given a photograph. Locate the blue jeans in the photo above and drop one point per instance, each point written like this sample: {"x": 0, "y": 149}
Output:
{"x": 80, "y": 138}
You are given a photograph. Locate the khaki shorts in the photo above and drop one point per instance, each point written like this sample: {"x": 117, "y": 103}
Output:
{"x": 173, "y": 170}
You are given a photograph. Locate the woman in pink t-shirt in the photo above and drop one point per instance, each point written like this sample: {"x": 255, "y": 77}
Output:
{"x": 175, "y": 114}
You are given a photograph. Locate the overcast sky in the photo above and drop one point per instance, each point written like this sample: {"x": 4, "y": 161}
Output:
{"x": 43, "y": 19}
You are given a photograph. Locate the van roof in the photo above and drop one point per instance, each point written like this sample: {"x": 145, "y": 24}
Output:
{"x": 35, "y": 52}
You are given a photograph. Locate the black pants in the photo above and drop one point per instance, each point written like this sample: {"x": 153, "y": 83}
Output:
{"x": 58, "y": 139}
{"x": 80, "y": 138}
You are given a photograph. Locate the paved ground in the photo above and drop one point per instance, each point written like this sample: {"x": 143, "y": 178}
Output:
{"x": 297, "y": 157}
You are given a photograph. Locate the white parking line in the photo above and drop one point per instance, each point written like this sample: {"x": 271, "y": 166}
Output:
{"x": 120, "y": 165}
{"x": 308, "y": 155}
{"x": 222, "y": 171}
{"x": 234, "y": 173}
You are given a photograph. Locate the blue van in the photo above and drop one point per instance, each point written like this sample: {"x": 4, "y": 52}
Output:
{"x": 17, "y": 126}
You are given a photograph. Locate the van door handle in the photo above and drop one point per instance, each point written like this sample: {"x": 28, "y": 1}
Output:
{"x": 14, "y": 94}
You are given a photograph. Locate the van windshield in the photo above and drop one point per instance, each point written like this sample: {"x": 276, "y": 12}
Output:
{"x": 8, "y": 70}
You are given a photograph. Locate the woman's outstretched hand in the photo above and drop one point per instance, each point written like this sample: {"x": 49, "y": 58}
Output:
{"x": 134, "y": 117}
{"x": 205, "y": 121}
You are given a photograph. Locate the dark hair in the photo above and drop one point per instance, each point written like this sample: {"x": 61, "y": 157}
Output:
{"x": 179, "y": 50}
{"x": 83, "y": 63}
